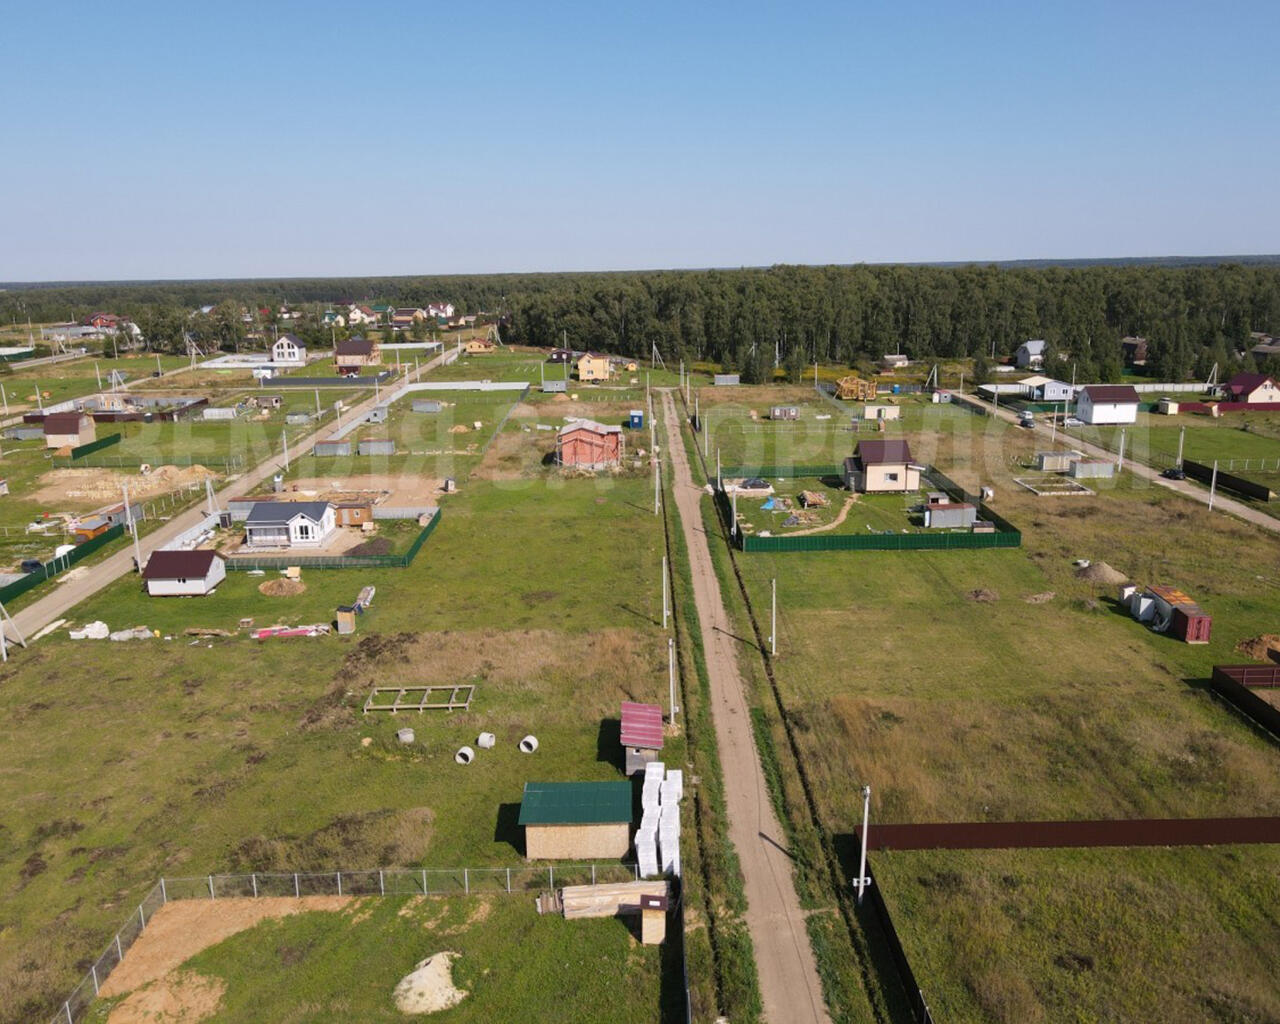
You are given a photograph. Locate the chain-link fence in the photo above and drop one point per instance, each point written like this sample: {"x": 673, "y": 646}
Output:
{"x": 522, "y": 879}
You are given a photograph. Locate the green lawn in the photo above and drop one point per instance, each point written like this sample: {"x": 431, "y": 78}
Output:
{"x": 1206, "y": 438}
{"x": 513, "y": 964}
{"x": 126, "y": 761}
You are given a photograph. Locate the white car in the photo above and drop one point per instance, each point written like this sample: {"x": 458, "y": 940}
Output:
{"x": 1072, "y": 421}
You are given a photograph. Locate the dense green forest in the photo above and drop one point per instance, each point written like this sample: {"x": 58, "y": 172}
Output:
{"x": 1192, "y": 315}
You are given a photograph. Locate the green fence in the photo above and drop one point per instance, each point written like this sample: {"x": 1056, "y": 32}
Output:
{"x": 248, "y": 564}
{"x": 95, "y": 446}
{"x": 51, "y": 569}
{"x": 783, "y": 472}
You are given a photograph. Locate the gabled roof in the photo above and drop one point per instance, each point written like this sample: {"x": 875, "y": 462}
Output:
{"x": 575, "y": 803}
{"x": 641, "y": 725}
{"x": 281, "y": 513}
{"x": 589, "y": 425}
{"x": 1246, "y": 383}
{"x": 1110, "y": 393}
{"x": 290, "y": 337}
{"x": 354, "y": 347}
{"x": 592, "y": 355}
{"x": 62, "y": 423}
{"x": 179, "y": 565}
{"x": 1034, "y": 347}
{"x": 880, "y": 453}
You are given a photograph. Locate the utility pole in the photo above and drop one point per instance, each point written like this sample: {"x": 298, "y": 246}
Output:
{"x": 863, "y": 880}
{"x": 39, "y": 399}
{"x": 1182, "y": 435}
{"x": 773, "y": 618}
{"x": 671, "y": 676}
{"x": 133, "y": 529}
{"x": 284, "y": 437}
{"x": 735, "y": 513}
{"x": 1120, "y": 460}
{"x": 317, "y": 404}
{"x": 665, "y": 609}
{"x": 1213, "y": 484}
{"x": 657, "y": 468}
{"x": 98, "y": 374}
{"x": 719, "y": 480}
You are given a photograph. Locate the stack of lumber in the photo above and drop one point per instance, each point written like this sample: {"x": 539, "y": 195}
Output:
{"x": 609, "y": 899}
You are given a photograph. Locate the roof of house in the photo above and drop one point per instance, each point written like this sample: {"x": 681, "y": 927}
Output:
{"x": 879, "y": 453}
{"x": 1245, "y": 383}
{"x": 1034, "y": 347}
{"x": 179, "y": 565}
{"x": 63, "y": 423}
{"x": 590, "y": 425}
{"x": 280, "y": 513}
{"x": 1110, "y": 393}
{"x": 290, "y": 337}
{"x": 593, "y": 355}
{"x": 354, "y": 347}
{"x": 92, "y": 523}
{"x": 641, "y": 725}
{"x": 575, "y": 803}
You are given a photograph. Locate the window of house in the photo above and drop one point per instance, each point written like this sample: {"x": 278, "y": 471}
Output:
{"x": 304, "y": 531}
{"x": 892, "y": 477}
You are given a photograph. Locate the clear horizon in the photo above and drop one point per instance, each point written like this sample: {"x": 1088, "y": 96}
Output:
{"x": 277, "y": 141}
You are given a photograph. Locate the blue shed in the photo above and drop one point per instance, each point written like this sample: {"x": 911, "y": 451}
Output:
{"x": 636, "y": 422}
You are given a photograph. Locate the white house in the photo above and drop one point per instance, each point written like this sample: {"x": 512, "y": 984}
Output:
{"x": 440, "y": 310}
{"x": 183, "y": 573}
{"x": 289, "y": 349}
{"x": 289, "y": 524}
{"x": 357, "y": 315}
{"x": 1107, "y": 403}
{"x": 1030, "y": 353}
{"x": 1046, "y": 389}
{"x": 1252, "y": 388}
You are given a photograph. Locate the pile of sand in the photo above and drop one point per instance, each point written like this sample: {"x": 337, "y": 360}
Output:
{"x": 983, "y": 596}
{"x": 1261, "y": 648}
{"x": 429, "y": 989}
{"x": 282, "y": 588}
{"x": 1100, "y": 572}
{"x": 459, "y": 428}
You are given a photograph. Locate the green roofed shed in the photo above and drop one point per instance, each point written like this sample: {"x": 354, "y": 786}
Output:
{"x": 578, "y": 820}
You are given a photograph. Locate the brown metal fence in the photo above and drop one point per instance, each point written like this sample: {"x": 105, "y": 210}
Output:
{"x": 1234, "y": 683}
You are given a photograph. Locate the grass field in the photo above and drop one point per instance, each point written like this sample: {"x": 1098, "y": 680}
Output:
{"x": 512, "y": 964}
{"x": 128, "y": 761}
{"x": 1182, "y": 936}
{"x": 957, "y": 687}
{"x": 1206, "y": 438}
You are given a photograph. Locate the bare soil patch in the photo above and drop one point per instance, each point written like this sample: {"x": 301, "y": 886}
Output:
{"x": 282, "y": 588}
{"x": 1261, "y": 648}
{"x": 178, "y": 996}
{"x": 181, "y": 929}
{"x": 1044, "y": 598}
{"x": 97, "y": 486}
{"x": 983, "y": 596}
{"x": 392, "y": 489}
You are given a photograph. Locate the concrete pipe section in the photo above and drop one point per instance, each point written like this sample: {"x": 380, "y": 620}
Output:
{"x": 529, "y": 744}
{"x": 486, "y": 741}
{"x": 404, "y": 735}
{"x": 465, "y": 755}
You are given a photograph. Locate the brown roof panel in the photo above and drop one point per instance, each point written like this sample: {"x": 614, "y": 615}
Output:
{"x": 178, "y": 565}
{"x": 1111, "y": 393}
{"x": 62, "y": 423}
{"x": 879, "y": 453}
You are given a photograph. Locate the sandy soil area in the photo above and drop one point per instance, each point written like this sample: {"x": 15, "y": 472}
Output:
{"x": 178, "y": 996}
{"x": 396, "y": 489}
{"x": 182, "y": 928}
{"x": 429, "y": 987}
{"x": 99, "y": 486}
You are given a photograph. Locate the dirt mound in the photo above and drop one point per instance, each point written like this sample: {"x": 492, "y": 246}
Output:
{"x": 377, "y": 546}
{"x": 983, "y": 596}
{"x": 1044, "y": 598}
{"x": 459, "y": 428}
{"x": 429, "y": 989}
{"x": 560, "y": 398}
{"x": 1100, "y": 572}
{"x": 282, "y": 588}
{"x": 178, "y": 996}
{"x": 1261, "y": 648}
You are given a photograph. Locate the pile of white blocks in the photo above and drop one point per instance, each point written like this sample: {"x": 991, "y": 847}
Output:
{"x": 658, "y": 838}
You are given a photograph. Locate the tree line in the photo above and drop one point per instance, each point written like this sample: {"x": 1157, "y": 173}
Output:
{"x": 746, "y": 319}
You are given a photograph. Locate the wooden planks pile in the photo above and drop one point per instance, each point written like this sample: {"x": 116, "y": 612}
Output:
{"x": 609, "y": 899}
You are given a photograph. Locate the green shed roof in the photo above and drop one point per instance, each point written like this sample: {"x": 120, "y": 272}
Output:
{"x": 575, "y": 803}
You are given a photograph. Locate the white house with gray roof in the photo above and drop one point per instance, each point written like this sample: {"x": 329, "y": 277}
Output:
{"x": 289, "y": 524}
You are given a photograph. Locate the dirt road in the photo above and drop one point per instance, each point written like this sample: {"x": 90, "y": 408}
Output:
{"x": 789, "y": 985}
{"x": 60, "y": 598}
{"x": 1184, "y": 487}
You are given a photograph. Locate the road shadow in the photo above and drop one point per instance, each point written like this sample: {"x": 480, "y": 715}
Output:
{"x": 740, "y": 639}
{"x": 777, "y": 845}
{"x": 507, "y": 828}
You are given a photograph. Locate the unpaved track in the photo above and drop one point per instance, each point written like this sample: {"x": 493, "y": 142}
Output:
{"x": 789, "y": 985}
{"x": 61, "y": 597}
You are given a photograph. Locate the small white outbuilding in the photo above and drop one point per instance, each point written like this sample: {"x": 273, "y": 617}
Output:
{"x": 183, "y": 573}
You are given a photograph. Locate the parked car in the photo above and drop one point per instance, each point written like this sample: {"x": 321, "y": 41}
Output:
{"x": 1027, "y": 419}
{"x": 1174, "y": 473}
{"x": 1073, "y": 421}
{"x": 32, "y": 565}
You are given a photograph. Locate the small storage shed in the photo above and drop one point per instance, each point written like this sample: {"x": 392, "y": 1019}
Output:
{"x": 953, "y": 515}
{"x": 641, "y": 734}
{"x": 376, "y": 446}
{"x": 378, "y": 414}
{"x": 425, "y": 405}
{"x": 576, "y": 820}
{"x": 331, "y": 448}
{"x": 882, "y": 412}
{"x": 353, "y": 513}
{"x": 89, "y": 528}
{"x": 635, "y": 419}
{"x": 67, "y": 430}
{"x": 555, "y": 387}
{"x": 1054, "y": 462}
{"x": 183, "y": 573}
{"x": 265, "y": 401}
{"x": 784, "y": 412}
{"x": 1092, "y": 469}
{"x": 219, "y": 412}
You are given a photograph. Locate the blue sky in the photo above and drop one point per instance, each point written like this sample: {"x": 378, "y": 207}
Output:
{"x": 295, "y": 139}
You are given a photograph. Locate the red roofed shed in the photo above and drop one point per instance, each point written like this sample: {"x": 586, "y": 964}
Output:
{"x": 641, "y": 734}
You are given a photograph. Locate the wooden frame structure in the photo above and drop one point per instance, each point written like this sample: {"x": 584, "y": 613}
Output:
{"x": 420, "y": 698}
{"x": 855, "y": 389}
